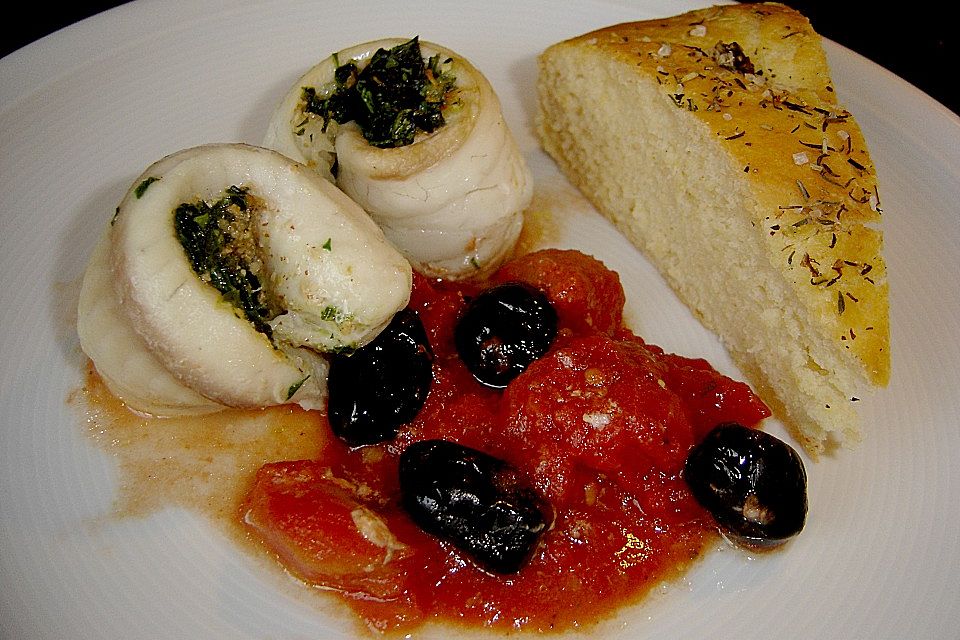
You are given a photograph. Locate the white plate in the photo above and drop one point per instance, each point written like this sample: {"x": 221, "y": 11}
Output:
{"x": 84, "y": 111}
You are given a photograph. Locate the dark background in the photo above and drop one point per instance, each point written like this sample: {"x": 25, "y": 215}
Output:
{"x": 915, "y": 42}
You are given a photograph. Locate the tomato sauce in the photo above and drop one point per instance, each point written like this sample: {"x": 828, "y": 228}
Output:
{"x": 601, "y": 426}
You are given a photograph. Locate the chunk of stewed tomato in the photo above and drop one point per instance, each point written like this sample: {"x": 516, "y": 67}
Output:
{"x": 587, "y": 296}
{"x": 322, "y": 532}
{"x": 598, "y": 403}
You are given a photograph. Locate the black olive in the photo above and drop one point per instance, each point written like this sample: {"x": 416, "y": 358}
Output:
{"x": 475, "y": 501}
{"x": 382, "y": 385}
{"x": 753, "y": 484}
{"x": 503, "y": 330}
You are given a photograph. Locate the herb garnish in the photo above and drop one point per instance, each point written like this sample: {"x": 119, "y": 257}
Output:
{"x": 330, "y": 313}
{"x": 731, "y": 57}
{"x": 296, "y": 386}
{"x": 219, "y": 242}
{"x": 142, "y": 187}
{"x": 396, "y": 95}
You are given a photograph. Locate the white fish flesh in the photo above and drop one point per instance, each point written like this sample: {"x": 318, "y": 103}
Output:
{"x": 167, "y": 342}
{"x": 452, "y": 201}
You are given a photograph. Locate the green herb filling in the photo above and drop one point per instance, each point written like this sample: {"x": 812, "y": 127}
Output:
{"x": 219, "y": 241}
{"x": 396, "y": 95}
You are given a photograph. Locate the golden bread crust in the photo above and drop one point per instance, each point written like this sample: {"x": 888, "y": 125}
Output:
{"x": 755, "y": 78}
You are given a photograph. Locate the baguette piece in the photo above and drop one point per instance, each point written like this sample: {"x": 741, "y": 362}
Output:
{"x": 713, "y": 140}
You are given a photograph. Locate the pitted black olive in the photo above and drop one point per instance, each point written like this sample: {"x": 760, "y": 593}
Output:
{"x": 753, "y": 484}
{"x": 477, "y": 502}
{"x": 503, "y": 330}
{"x": 382, "y": 385}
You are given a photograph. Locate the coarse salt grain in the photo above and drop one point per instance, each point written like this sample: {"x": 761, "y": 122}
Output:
{"x": 597, "y": 420}
{"x": 800, "y": 158}
{"x": 699, "y": 31}
{"x": 664, "y": 50}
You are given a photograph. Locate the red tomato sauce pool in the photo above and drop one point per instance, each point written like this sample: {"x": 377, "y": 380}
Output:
{"x": 601, "y": 426}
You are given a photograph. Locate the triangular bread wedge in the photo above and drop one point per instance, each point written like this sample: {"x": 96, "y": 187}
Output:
{"x": 713, "y": 140}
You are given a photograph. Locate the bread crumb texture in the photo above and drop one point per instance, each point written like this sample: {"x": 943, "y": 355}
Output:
{"x": 714, "y": 141}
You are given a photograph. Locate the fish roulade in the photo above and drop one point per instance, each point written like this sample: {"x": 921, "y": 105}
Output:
{"x": 415, "y": 134}
{"x": 226, "y": 274}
